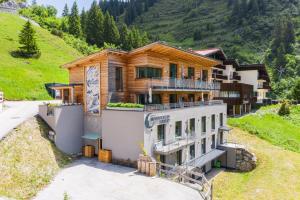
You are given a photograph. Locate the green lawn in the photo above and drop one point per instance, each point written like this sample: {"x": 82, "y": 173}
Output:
{"x": 266, "y": 124}
{"x": 25, "y": 78}
{"x": 276, "y": 176}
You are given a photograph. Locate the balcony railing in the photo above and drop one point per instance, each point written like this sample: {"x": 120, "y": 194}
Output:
{"x": 182, "y": 84}
{"x": 154, "y": 107}
{"x": 220, "y": 76}
{"x": 179, "y": 142}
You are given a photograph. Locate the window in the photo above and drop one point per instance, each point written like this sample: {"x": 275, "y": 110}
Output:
{"x": 213, "y": 122}
{"x": 204, "y": 75}
{"x": 192, "y": 125}
{"x": 192, "y": 152}
{"x": 203, "y": 146}
{"x": 161, "y": 132}
{"x": 144, "y": 99}
{"x": 179, "y": 157}
{"x": 172, "y": 98}
{"x": 213, "y": 141}
{"x": 148, "y": 72}
{"x": 221, "y": 119}
{"x": 162, "y": 158}
{"x": 141, "y": 99}
{"x": 191, "y": 97}
{"x": 178, "y": 129}
{"x": 173, "y": 70}
{"x": 203, "y": 124}
{"x": 191, "y": 72}
{"x": 119, "y": 79}
{"x": 156, "y": 99}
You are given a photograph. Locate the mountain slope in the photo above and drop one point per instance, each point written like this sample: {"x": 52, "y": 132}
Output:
{"x": 26, "y": 78}
{"x": 247, "y": 38}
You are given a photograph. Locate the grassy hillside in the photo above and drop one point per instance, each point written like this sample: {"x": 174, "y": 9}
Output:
{"x": 268, "y": 125}
{"x": 176, "y": 21}
{"x": 275, "y": 177}
{"x": 25, "y": 78}
{"x": 28, "y": 160}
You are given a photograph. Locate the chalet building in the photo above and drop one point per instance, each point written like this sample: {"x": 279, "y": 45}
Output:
{"x": 181, "y": 123}
{"x": 241, "y": 86}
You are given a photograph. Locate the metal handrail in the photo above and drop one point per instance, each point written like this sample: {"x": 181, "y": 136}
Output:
{"x": 153, "y": 107}
{"x": 179, "y": 84}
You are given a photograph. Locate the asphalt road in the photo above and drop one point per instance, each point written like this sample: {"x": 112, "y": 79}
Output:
{"x": 16, "y": 112}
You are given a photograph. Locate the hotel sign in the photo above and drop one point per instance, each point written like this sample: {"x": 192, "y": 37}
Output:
{"x": 154, "y": 119}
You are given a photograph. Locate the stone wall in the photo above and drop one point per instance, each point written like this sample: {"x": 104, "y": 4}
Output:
{"x": 245, "y": 160}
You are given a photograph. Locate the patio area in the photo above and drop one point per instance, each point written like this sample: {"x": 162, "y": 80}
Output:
{"x": 90, "y": 179}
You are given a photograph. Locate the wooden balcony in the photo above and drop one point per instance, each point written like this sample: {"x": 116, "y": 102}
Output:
{"x": 168, "y": 84}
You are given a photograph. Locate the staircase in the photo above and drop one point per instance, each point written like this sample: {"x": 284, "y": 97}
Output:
{"x": 188, "y": 177}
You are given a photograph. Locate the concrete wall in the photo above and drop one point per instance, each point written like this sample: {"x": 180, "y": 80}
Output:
{"x": 67, "y": 123}
{"x": 249, "y": 77}
{"x": 123, "y": 132}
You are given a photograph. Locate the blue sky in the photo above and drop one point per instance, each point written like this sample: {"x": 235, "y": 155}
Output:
{"x": 59, "y": 4}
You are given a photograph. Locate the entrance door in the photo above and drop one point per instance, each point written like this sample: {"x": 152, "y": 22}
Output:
{"x": 66, "y": 95}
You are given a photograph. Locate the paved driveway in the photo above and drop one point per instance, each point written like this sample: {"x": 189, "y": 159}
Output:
{"x": 16, "y": 112}
{"x": 88, "y": 179}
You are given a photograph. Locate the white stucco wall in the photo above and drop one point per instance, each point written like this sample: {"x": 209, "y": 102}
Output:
{"x": 249, "y": 77}
{"x": 123, "y": 132}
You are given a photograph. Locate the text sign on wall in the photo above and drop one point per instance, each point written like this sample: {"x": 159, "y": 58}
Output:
{"x": 92, "y": 90}
{"x": 155, "y": 119}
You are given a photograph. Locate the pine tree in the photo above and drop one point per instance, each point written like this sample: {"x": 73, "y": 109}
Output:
{"x": 83, "y": 21}
{"x": 111, "y": 32}
{"x": 253, "y": 7}
{"x": 94, "y": 26}
{"x": 74, "y": 21}
{"x": 28, "y": 41}
{"x": 65, "y": 11}
{"x": 289, "y": 36}
{"x": 124, "y": 37}
{"x": 236, "y": 9}
{"x": 243, "y": 8}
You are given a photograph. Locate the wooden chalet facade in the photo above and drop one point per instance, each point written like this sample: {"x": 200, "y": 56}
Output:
{"x": 167, "y": 74}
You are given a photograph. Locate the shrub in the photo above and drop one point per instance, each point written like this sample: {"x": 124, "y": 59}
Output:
{"x": 125, "y": 105}
{"x": 57, "y": 32}
{"x": 284, "y": 108}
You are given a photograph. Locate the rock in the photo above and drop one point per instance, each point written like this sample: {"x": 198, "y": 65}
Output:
{"x": 245, "y": 160}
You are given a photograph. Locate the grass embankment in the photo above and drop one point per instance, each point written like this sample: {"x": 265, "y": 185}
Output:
{"x": 275, "y": 177}
{"x": 273, "y": 139}
{"x": 268, "y": 125}
{"x": 28, "y": 160}
{"x": 26, "y": 78}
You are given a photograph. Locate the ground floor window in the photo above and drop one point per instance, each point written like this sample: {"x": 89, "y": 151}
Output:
{"x": 144, "y": 99}
{"x": 178, "y": 129}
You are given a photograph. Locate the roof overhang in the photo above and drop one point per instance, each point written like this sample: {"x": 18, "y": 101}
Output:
{"x": 158, "y": 47}
{"x": 165, "y": 49}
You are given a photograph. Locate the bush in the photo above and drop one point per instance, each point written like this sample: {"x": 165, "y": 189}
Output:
{"x": 57, "y": 32}
{"x": 125, "y": 105}
{"x": 284, "y": 109}
{"x": 23, "y": 54}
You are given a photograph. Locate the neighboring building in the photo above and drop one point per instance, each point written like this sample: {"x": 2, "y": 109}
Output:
{"x": 242, "y": 86}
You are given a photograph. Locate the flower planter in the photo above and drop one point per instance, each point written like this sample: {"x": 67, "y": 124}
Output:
{"x": 105, "y": 156}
